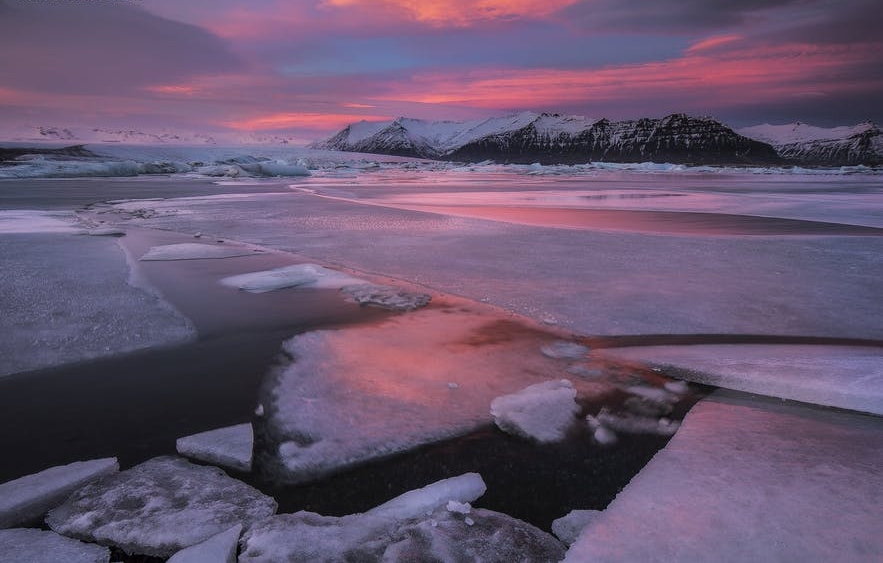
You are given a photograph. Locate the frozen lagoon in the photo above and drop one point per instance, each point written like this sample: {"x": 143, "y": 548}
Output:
{"x": 613, "y": 281}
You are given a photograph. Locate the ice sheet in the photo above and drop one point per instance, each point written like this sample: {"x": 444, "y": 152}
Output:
{"x": 750, "y": 479}
{"x": 544, "y": 412}
{"x": 299, "y": 275}
{"x": 23, "y": 545}
{"x": 195, "y": 251}
{"x": 227, "y": 447}
{"x": 160, "y": 507}
{"x": 362, "y": 393}
{"x": 847, "y": 377}
{"x": 28, "y": 499}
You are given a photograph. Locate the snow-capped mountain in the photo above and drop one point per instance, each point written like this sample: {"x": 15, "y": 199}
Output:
{"x": 551, "y": 138}
{"x": 836, "y": 146}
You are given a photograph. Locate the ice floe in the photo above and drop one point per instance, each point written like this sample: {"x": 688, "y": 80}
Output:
{"x": 27, "y": 499}
{"x": 386, "y": 297}
{"x": 217, "y": 549}
{"x": 195, "y": 251}
{"x": 848, "y": 377}
{"x": 25, "y": 545}
{"x": 227, "y": 447}
{"x": 568, "y": 527}
{"x": 298, "y": 275}
{"x": 361, "y": 393}
{"x": 418, "y": 526}
{"x": 159, "y": 507}
{"x": 543, "y": 412}
{"x": 750, "y": 478}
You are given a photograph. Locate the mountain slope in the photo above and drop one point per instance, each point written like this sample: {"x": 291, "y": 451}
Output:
{"x": 837, "y": 146}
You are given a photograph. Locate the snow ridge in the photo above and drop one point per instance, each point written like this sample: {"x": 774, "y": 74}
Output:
{"x": 836, "y": 146}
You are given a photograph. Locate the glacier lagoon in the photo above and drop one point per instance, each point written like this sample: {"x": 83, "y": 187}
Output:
{"x": 612, "y": 259}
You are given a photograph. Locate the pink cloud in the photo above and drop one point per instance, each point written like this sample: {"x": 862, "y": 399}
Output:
{"x": 457, "y": 13}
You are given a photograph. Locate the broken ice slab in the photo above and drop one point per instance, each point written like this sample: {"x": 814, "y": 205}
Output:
{"x": 426, "y": 524}
{"x": 848, "y": 377}
{"x": 27, "y": 499}
{"x": 298, "y": 275}
{"x": 543, "y": 412}
{"x": 159, "y": 507}
{"x": 24, "y": 545}
{"x": 750, "y": 478}
{"x": 195, "y": 251}
{"x": 226, "y": 447}
{"x": 217, "y": 549}
{"x": 570, "y": 526}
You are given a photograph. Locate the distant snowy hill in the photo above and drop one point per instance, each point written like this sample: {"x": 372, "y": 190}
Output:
{"x": 837, "y": 146}
{"x": 551, "y": 138}
{"x": 95, "y": 135}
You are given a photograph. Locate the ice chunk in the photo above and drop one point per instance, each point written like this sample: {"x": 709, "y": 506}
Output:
{"x": 568, "y": 527}
{"x": 386, "y": 297}
{"x": 228, "y": 447}
{"x": 458, "y": 507}
{"x": 195, "y": 251}
{"x": 636, "y": 424}
{"x": 848, "y": 377}
{"x": 750, "y": 478}
{"x": 565, "y": 349}
{"x": 105, "y": 232}
{"x": 29, "y": 498}
{"x": 159, "y": 507}
{"x": 217, "y": 549}
{"x": 23, "y": 545}
{"x": 299, "y": 275}
{"x": 465, "y": 488}
{"x": 543, "y": 412}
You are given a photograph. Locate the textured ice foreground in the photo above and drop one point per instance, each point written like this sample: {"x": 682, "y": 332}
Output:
{"x": 22, "y": 545}
{"x": 159, "y": 507}
{"x": 29, "y": 498}
{"x": 18, "y": 221}
{"x": 227, "y": 447}
{"x": 434, "y": 523}
{"x": 543, "y": 412}
{"x": 750, "y": 479}
{"x": 195, "y": 251}
{"x": 217, "y": 549}
{"x": 365, "y": 392}
{"x": 847, "y": 377}
{"x": 299, "y": 275}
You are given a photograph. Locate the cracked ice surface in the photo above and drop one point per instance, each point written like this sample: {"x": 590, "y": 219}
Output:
{"x": 159, "y": 507}
{"x": 750, "y": 479}
{"x": 847, "y": 377}
{"x": 365, "y": 392}
{"x": 69, "y": 298}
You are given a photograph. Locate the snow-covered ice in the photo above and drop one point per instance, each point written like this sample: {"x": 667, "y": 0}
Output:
{"x": 543, "y": 412}
{"x": 227, "y": 447}
{"x": 217, "y": 549}
{"x": 848, "y": 377}
{"x": 366, "y": 392}
{"x": 570, "y": 526}
{"x": 196, "y": 251}
{"x": 750, "y": 479}
{"x": 386, "y": 297}
{"x": 159, "y": 507}
{"x": 17, "y": 221}
{"x": 27, "y": 499}
{"x": 417, "y": 526}
{"x": 26, "y": 545}
{"x": 298, "y": 275}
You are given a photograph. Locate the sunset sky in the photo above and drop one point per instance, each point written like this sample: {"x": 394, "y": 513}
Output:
{"x": 308, "y": 67}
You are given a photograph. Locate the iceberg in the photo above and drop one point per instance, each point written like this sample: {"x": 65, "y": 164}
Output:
{"x": 195, "y": 251}
{"x": 299, "y": 275}
{"x": 750, "y": 478}
{"x": 217, "y": 549}
{"x": 226, "y": 447}
{"x": 25, "y": 545}
{"x": 27, "y": 499}
{"x": 543, "y": 412}
{"x": 159, "y": 507}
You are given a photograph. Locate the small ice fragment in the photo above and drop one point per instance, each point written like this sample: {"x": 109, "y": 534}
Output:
{"x": 458, "y": 507}
{"x": 654, "y": 394}
{"x": 452, "y": 385}
{"x": 106, "y": 232}
{"x": 29, "y": 498}
{"x": 193, "y": 251}
{"x": 549, "y": 320}
{"x": 568, "y": 527}
{"x": 632, "y": 424}
{"x": 217, "y": 549}
{"x": 197, "y": 235}
{"x": 469, "y": 521}
{"x": 677, "y": 387}
{"x": 543, "y": 412}
{"x": 605, "y": 436}
{"x": 259, "y": 410}
{"x": 581, "y": 370}
{"x": 227, "y": 447}
{"x": 565, "y": 349}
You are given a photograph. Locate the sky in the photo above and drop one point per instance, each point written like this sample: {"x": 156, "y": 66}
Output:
{"x": 306, "y": 68}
